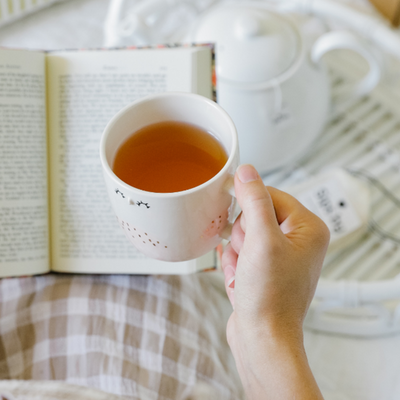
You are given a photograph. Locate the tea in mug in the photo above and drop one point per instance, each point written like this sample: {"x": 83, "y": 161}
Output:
{"x": 168, "y": 157}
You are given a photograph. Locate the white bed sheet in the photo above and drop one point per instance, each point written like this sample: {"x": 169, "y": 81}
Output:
{"x": 346, "y": 368}
{"x": 69, "y": 24}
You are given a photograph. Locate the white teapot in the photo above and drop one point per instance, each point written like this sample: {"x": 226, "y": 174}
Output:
{"x": 271, "y": 82}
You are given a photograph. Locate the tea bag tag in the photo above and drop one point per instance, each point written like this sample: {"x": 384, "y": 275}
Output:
{"x": 340, "y": 200}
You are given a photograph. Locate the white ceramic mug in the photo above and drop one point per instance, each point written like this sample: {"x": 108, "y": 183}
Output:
{"x": 172, "y": 226}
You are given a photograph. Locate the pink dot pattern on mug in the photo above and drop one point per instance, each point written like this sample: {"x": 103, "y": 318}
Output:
{"x": 140, "y": 238}
{"x": 216, "y": 226}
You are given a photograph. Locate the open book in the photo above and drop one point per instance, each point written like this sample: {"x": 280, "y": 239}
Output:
{"x": 54, "y": 209}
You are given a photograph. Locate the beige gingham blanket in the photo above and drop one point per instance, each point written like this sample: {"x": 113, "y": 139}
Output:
{"x": 143, "y": 337}
{"x": 50, "y": 390}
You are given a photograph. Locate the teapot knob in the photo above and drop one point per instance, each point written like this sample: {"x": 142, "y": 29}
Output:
{"x": 247, "y": 26}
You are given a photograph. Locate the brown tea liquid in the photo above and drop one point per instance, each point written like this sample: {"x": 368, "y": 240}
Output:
{"x": 168, "y": 157}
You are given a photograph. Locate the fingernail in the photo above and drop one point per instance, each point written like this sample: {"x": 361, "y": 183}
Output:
{"x": 247, "y": 173}
{"x": 230, "y": 272}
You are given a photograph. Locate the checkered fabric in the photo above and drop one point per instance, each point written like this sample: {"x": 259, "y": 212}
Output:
{"x": 49, "y": 390}
{"x": 144, "y": 337}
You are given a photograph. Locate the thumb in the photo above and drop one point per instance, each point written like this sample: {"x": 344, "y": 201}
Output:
{"x": 256, "y": 203}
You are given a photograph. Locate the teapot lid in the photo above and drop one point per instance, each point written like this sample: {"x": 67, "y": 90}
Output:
{"x": 253, "y": 44}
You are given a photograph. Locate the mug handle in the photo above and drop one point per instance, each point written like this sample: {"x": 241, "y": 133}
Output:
{"x": 346, "y": 40}
{"x": 229, "y": 187}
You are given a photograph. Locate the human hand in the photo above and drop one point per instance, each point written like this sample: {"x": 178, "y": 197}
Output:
{"x": 275, "y": 257}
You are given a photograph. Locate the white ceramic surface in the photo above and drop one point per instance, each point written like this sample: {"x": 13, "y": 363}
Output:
{"x": 172, "y": 226}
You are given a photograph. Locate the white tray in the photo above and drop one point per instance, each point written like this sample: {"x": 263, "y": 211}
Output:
{"x": 359, "y": 289}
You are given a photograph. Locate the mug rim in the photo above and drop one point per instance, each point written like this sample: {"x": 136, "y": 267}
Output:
{"x": 106, "y": 132}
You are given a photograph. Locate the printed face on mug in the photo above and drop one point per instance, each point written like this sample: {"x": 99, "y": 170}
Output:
{"x": 168, "y": 162}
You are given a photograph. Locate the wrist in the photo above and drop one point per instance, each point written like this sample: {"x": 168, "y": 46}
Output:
{"x": 268, "y": 358}
{"x": 278, "y": 330}
{"x": 256, "y": 340}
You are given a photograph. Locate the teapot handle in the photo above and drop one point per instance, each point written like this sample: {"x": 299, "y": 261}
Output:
{"x": 346, "y": 40}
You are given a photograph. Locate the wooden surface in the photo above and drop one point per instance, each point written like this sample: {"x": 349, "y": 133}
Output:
{"x": 389, "y": 9}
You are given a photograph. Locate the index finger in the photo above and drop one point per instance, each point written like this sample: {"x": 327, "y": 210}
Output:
{"x": 292, "y": 215}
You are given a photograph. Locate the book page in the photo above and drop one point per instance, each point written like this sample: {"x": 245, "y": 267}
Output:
{"x": 24, "y": 245}
{"x": 86, "y": 89}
